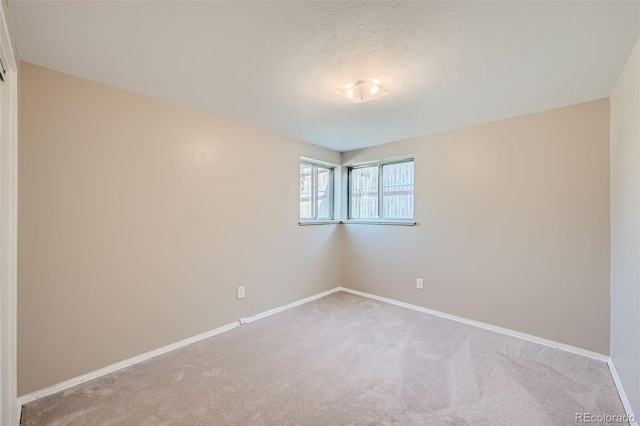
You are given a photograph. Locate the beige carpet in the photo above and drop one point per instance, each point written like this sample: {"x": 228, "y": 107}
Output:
{"x": 344, "y": 360}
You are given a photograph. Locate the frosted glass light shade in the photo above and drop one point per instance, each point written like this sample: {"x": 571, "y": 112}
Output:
{"x": 362, "y": 91}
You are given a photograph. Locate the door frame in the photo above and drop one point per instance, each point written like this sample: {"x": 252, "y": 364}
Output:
{"x": 9, "y": 413}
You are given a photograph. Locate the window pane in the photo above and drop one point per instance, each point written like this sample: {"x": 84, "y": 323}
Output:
{"x": 364, "y": 193}
{"x": 324, "y": 193}
{"x": 397, "y": 191}
{"x": 306, "y": 191}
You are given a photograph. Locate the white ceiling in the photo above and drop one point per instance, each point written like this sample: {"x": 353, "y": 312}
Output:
{"x": 275, "y": 65}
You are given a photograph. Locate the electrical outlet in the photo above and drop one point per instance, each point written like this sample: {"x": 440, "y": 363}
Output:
{"x": 420, "y": 284}
{"x": 241, "y": 292}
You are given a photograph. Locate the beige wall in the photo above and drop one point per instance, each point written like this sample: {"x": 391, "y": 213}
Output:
{"x": 138, "y": 219}
{"x": 625, "y": 228}
{"x": 513, "y": 226}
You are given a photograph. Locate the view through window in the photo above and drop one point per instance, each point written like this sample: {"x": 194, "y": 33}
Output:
{"x": 382, "y": 191}
{"x": 316, "y": 191}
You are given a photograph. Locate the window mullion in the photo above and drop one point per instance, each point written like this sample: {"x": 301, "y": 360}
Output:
{"x": 349, "y": 193}
{"x": 314, "y": 191}
{"x": 380, "y": 191}
{"x": 330, "y": 189}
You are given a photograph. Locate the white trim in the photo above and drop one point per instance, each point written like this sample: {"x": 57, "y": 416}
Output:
{"x": 379, "y": 222}
{"x": 358, "y": 222}
{"x": 143, "y": 357}
{"x": 122, "y": 364}
{"x": 264, "y": 314}
{"x": 486, "y": 326}
{"x": 321, "y": 163}
{"x": 390, "y": 160}
{"x": 318, "y": 222}
{"x": 7, "y": 52}
{"x": 147, "y": 355}
{"x": 9, "y": 413}
{"x": 9, "y": 238}
{"x": 623, "y": 395}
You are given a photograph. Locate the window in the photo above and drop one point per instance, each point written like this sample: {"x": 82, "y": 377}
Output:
{"x": 381, "y": 191}
{"x": 316, "y": 191}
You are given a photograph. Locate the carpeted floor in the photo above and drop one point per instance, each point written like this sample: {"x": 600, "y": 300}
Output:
{"x": 344, "y": 360}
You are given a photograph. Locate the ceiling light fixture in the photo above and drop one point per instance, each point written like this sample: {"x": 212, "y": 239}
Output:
{"x": 362, "y": 91}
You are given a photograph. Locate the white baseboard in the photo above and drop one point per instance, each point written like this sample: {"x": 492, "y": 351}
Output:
{"x": 495, "y": 328}
{"x": 151, "y": 354}
{"x": 623, "y": 395}
{"x": 264, "y": 314}
{"x": 122, "y": 364}
{"x": 145, "y": 356}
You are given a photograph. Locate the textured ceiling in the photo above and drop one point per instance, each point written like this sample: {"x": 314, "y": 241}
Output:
{"x": 275, "y": 65}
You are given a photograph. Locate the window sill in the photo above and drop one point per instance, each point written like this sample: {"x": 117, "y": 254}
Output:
{"x": 358, "y": 222}
{"x": 380, "y": 222}
{"x": 318, "y": 222}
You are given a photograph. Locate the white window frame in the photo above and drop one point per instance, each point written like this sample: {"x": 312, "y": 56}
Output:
{"x": 379, "y": 219}
{"x": 314, "y": 192}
